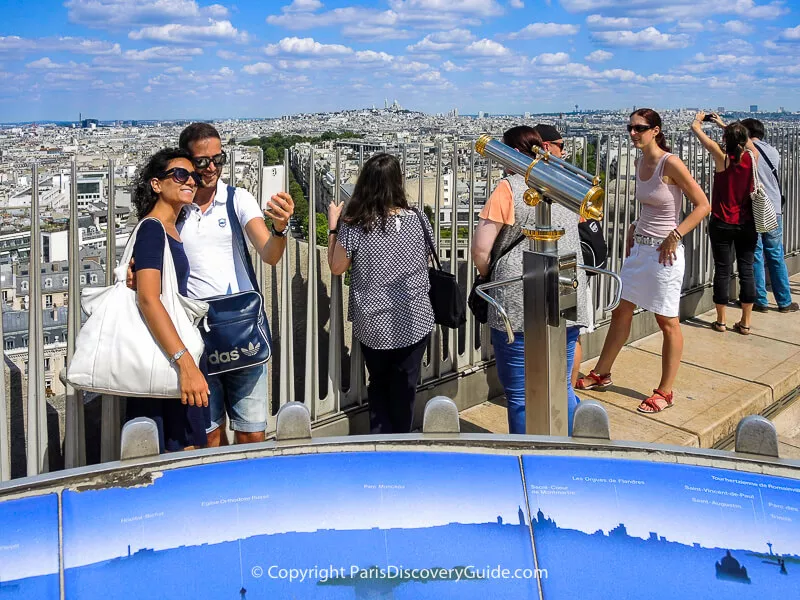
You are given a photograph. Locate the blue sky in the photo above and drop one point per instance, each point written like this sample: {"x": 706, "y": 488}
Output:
{"x": 306, "y": 493}
{"x": 162, "y": 59}
{"x": 28, "y": 537}
{"x": 664, "y": 506}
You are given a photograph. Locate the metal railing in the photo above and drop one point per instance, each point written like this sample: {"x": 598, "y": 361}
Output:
{"x": 315, "y": 359}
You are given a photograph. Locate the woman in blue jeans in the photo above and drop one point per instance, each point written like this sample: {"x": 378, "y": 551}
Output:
{"x": 502, "y": 220}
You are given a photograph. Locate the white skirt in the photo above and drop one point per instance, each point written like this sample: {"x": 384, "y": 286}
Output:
{"x": 651, "y": 285}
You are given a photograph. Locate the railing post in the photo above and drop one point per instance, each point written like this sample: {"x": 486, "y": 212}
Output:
{"x": 336, "y": 314}
{"x": 312, "y": 311}
{"x": 110, "y": 408}
{"x": 286, "y": 392}
{"x": 74, "y": 435}
{"x": 5, "y": 421}
{"x": 37, "y": 403}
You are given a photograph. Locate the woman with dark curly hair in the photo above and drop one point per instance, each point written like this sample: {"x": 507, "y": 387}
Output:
{"x": 163, "y": 186}
{"x": 389, "y": 305}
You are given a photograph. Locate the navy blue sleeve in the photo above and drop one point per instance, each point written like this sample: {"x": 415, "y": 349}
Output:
{"x": 148, "y": 250}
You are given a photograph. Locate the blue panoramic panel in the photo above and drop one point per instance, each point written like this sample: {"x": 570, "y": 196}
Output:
{"x": 29, "y": 548}
{"x": 633, "y": 529}
{"x": 351, "y": 525}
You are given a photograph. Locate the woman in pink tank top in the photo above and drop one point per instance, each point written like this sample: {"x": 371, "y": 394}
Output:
{"x": 652, "y": 274}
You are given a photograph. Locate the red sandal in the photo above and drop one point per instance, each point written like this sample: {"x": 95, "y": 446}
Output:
{"x": 593, "y": 381}
{"x": 652, "y": 402}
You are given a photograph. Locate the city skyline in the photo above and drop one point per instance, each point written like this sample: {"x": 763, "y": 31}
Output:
{"x": 183, "y": 59}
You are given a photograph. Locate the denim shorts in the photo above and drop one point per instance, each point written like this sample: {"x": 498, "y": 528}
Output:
{"x": 242, "y": 395}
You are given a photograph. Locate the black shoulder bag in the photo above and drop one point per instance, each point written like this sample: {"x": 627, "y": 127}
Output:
{"x": 235, "y": 330}
{"x": 593, "y": 245}
{"x": 774, "y": 173}
{"x": 447, "y": 300}
{"x": 479, "y": 306}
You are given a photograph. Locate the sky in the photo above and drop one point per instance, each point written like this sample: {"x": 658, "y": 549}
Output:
{"x": 663, "y": 505}
{"x": 174, "y": 59}
{"x": 28, "y": 537}
{"x": 303, "y": 493}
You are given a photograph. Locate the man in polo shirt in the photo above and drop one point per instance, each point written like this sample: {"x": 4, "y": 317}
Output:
{"x": 216, "y": 269}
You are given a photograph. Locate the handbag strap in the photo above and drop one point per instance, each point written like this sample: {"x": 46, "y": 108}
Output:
{"x": 238, "y": 238}
{"x": 769, "y": 163}
{"x": 428, "y": 239}
{"x": 169, "y": 278}
{"x": 754, "y": 166}
{"x": 506, "y": 250}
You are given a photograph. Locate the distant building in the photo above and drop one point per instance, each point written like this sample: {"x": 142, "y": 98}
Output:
{"x": 754, "y": 108}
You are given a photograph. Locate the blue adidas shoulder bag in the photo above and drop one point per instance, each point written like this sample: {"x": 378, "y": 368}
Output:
{"x": 235, "y": 329}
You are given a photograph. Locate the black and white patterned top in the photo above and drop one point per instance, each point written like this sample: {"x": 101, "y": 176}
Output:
{"x": 389, "y": 304}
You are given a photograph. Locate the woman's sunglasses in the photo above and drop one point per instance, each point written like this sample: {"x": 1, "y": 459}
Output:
{"x": 202, "y": 162}
{"x": 181, "y": 175}
{"x": 638, "y": 128}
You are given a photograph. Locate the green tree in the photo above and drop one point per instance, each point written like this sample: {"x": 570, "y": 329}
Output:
{"x": 322, "y": 229}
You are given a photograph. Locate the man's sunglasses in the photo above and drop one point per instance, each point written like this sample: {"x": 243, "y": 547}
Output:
{"x": 638, "y": 128}
{"x": 202, "y": 162}
{"x": 559, "y": 145}
{"x": 181, "y": 175}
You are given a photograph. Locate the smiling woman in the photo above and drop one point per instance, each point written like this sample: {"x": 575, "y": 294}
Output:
{"x": 166, "y": 184}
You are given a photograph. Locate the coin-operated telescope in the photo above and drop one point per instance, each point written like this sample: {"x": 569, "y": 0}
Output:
{"x": 549, "y": 281}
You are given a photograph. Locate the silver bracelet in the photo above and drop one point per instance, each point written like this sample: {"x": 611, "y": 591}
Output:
{"x": 175, "y": 357}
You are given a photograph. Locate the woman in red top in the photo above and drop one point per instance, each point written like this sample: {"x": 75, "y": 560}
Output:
{"x": 732, "y": 226}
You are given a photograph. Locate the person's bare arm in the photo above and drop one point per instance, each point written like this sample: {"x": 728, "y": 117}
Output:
{"x": 270, "y": 247}
{"x": 482, "y": 242}
{"x": 677, "y": 172}
{"x": 710, "y": 145}
{"x": 337, "y": 255}
{"x": 194, "y": 389}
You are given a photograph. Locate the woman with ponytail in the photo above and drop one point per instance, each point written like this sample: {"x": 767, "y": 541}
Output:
{"x": 652, "y": 275}
{"x": 732, "y": 227}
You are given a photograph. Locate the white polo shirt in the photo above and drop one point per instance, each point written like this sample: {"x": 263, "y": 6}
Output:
{"x": 214, "y": 267}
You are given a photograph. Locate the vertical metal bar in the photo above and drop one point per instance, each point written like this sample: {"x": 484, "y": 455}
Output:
{"x": 585, "y": 152}
{"x": 436, "y": 338}
{"x": 470, "y": 329}
{"x": 452, "y": 334}
{"x": 232, "y": 169}
{"x": 312, "y": 340}
{"x": 358, "y": 381}
{"x": 110, "y": 405}
{"x": 336, "y": 315}
{"x": 74, "y": 435}
{"x": 630, "y": 150}
{"x": 286, "y": 391}
{"x": 487, "y": 351}
{"x": 261, "y": 267}
{"x": 37, "y": 403}
{"x": 5, "y": 421}
{"x": 420, "y": 203}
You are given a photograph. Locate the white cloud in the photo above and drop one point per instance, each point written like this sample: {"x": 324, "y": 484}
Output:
{"x": 370, "y": 56}
{"x": 486, "y": 47}
{"x": 601, "y": 22}
{"x": 737, "y": 27}
{"x": 599, "y": 56}
{"x": 792, "y": 34}
{"x": 540, "y": 30}
{"x": 303, "y": 6}
{"x": 646, "y": 39}
{"x": 558, "y": 58}
{"x": 258, "y": 68}
{"x": 656, "y": 11}
{"x": 451, "y": 67}
{"x": 295, "y": 45}
{"x": 516, "y": 3}
{"x": 120, "y": 13}
{"x": 442, "y": 40}
{"x": 15, "y": 43}
{"x": 481, "y": 8}
{"x": 161, "y": 54}
{"x": 214, "y": 31}
{"x": 228, "y": 55}
{"x": 47, "y": 64}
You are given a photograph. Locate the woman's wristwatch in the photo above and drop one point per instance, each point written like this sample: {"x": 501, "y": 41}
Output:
{"x": 175, "y": 357}
{"x": 280, "y": 234}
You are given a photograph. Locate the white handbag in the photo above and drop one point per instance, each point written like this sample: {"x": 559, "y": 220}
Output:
{"x": 763, "y": 209}
{"x": 115, "y": 353}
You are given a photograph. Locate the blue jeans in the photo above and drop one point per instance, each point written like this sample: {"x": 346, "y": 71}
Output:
{"x": 770, "y": 249}
{"x": 510, "y": 360}
{"x": 242, "y": 395}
